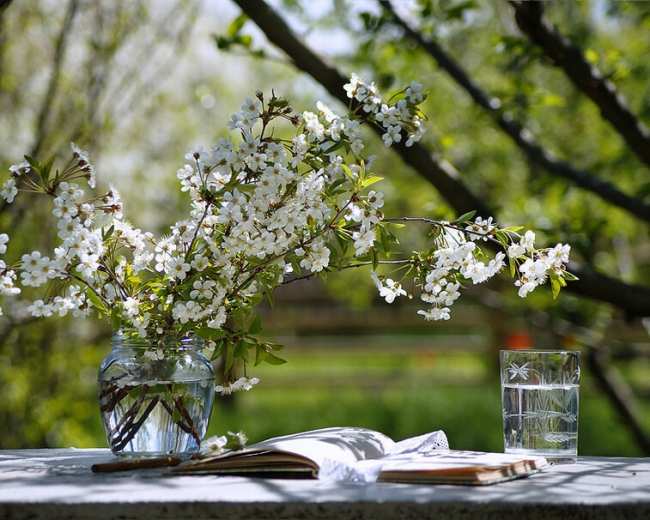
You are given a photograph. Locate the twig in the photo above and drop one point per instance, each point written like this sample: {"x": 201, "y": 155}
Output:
{"x": 137, "y": 425}
{"x": 585, "y": 77}
{"x": 521, "y": 136}
{"x": 53, "y": 84}
{"x": 185, "y": 414}
{"x": 349, "y": 266}
{"x": 185, "y": 427}
{"x": 128, "y": 416}
{"x": 432, "y": 222}
{"x": 127, "y": 420}
{"x": 129, "y": 464}
{"x": 115, "y": 399}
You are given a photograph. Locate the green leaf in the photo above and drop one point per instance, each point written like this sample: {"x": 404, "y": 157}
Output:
{"x": 457, "y": 11}
{"x": 222, "y": 42}
{"x": 107, "y": 234}
{"x": 268, "y": 294}
{"x": 334, "y": 147}
{"x": 208, "y": 333}
{"x": 371, "y": 180}
{"x": 465, "y": 217}
{"x": 347, "y": 171}
{"x": 46, "y": 169}
{"x": 570, "y": 276}
{"x": 230, "y": 359}
{"x": 244, "y": 40}
{"x": 260, "y": 354}
{"x": 336, "y": 184}
{"x": 272, "y": 359}
{"x": 513, "y": 267}
{"x": 512, "y": 229}
{"x": 502, "y": 238}
{"x": 241, "y": 350}
{"x": 236, "y": 25}
{"x": 256, "y": 325}
{"x": 557, "y": 282}
{"x": 36, "y": 166}
{"x": 116, "y": 322}
{"x": 96, "y": 301}
{"x": 555, "y": 287}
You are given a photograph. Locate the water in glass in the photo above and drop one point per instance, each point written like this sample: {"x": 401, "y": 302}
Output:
{"x": 540, "y": 403}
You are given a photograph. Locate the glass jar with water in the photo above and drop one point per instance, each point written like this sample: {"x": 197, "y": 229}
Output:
{"x": 155, "y": 399}
{"x": 539, "y": 394}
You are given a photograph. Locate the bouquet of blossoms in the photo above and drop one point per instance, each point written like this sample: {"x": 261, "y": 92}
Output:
{"x": 263, "y": 211}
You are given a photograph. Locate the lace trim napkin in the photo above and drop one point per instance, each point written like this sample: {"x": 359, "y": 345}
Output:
{"x": 368, "y": 470}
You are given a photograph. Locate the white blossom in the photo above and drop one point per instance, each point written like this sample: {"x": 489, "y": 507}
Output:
{"x": 177, "y": 267}
{"x": 8, "y": 191}
{"x": 524, "y": 246}
{"x": 199, "y": 263}
{"x": 242, "y": 384}
{"x": 392, "y": 135}
{"x": 435, "y": 314}
{"x": 390, "y": 290}
{"x": 480, "y": 229}
{"x": 363, "y": 242}
{"x": 260, "y": 208}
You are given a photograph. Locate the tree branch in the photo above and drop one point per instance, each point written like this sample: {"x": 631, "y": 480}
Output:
{"x": 522, "y": 137}
{"x": 4, "y": 4}
{"x": 620, "y": 395}
{"x": 53, "y": 84}
{"x": 586, "y": 78}
{"x": 633, "y": 299}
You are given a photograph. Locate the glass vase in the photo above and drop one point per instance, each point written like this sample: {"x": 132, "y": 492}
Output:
{"x": 155, "y": 399}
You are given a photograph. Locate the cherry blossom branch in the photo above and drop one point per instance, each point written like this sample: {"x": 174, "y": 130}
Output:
{"x": 633, "y": 299}
{"x": 442, "y": 224}
{"x": 196, "y": 231}
{"x": 406, "y": 261}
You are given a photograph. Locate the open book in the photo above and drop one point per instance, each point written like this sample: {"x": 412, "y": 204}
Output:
{"x": 358, "y": 454}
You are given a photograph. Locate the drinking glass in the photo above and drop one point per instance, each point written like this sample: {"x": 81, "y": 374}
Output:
{"x": 539, "y": 394}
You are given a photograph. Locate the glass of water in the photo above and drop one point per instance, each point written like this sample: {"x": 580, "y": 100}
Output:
{"x": 539, "y": 394}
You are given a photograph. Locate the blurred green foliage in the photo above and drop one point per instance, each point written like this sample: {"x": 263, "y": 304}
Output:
{"x": 139, "y": 86}
{"x": 401, "y": 396}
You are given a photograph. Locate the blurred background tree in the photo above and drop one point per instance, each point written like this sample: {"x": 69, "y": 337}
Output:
{"x": 518, "y": 116}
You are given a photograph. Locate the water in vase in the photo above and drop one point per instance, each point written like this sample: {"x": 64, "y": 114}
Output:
{"x": 156, "y": 417}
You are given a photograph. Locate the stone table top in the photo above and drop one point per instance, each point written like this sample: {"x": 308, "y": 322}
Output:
{"x": 54, "y": 484}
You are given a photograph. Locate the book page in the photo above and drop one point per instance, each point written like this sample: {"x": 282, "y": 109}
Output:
{"x": 341, "y": 444}
{"x": 326, "y": 451}
{"x": 448, "y": 461}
